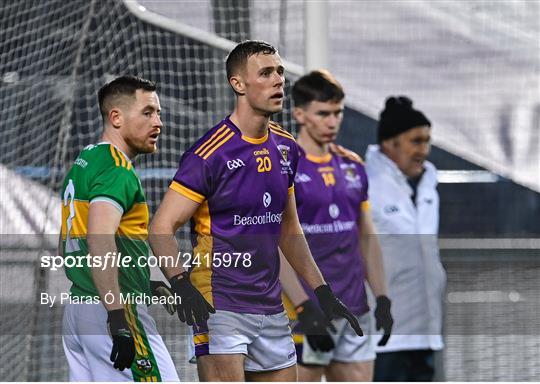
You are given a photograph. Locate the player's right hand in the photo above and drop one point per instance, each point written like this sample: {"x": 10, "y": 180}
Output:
{"x": 333, "y": 307}
{"x": 193, "y": 309}
{"x": 123, "y": 349}
{"x": 314, "y": 324}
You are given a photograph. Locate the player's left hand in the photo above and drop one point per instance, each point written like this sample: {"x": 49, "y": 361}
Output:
{"x": 123, "y": 346}
{"x": 383, "y": 318}
{"x": 333, "y": 307}
{"x": 193, "y": 309}
{"x": 160, "y": 289}
{"x": 314, "y": 324}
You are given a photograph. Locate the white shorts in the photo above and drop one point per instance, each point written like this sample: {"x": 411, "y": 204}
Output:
{"x": 265, "y": 339}
{"x": 349, "y": 347}
{"x": 87, "y": 346}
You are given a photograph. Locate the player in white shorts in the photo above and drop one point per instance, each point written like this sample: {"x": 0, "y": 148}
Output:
{"x": 104, "y": 214}
{"x": 331, "y": 189}
{"x": 236, "y": 186}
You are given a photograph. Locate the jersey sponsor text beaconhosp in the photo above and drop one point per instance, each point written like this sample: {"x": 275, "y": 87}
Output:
{"x": 243, "y": 186}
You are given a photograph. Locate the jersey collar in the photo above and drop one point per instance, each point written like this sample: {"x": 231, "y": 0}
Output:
{"x": 250, "y": 140}
{"x": 118, "y": 149}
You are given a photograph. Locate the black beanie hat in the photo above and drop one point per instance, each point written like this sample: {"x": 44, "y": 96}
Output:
{"x": 399, "y": 116}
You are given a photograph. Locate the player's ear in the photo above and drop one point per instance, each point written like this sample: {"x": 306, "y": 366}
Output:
{"x": 237, "y": 84}
{"x": 299, "y": 115}
{"x": 116, "y": 118}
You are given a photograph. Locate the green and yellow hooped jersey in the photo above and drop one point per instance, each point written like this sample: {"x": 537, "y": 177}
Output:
{"x": 102, "y": 172}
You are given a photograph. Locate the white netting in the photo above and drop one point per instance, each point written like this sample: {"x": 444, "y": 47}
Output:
{"x": 472, "y": 67}
{"x": 55, "y": 55}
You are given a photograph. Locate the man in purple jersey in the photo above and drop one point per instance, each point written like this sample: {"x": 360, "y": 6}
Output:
{"x": 331, "y": 189}
{"x": 236, "y": 186}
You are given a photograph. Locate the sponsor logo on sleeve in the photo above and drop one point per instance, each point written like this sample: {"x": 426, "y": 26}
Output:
{"x": 302, "y": 178}
{"x": 81, "y": 162}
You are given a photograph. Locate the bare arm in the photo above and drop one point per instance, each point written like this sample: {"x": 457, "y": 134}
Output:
{"x": 296, "y": 251}
{"x": 294, "y": 246}
{"x": 371, "y": 249}
{"x": 291, "y": 285}
{"x": 103, "y": 221}
{"x": 175, "y": 210}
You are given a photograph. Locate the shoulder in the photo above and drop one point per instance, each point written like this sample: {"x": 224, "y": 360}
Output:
{"x": 98, "y": 158}
{"x": 346, "y": 154}
{"x": 376, "y": 167}
{"x": 430, "y": 167}
{"x": 276, "y": 129}
{"x": 210, "y": 142}
{"x": 113, "y": 169}
{"x": 430, "y": 173}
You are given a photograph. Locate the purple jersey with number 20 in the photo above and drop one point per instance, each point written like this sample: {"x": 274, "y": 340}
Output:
{"x": 243, "y": 186}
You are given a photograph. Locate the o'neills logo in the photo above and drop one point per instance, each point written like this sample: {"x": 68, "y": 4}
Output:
{"x": 261, "y": 152}
{"x": 267, "y": 218}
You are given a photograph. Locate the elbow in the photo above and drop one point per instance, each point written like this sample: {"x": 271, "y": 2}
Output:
{"x": 154, "y": 231}
{"x": 159, "y": 228}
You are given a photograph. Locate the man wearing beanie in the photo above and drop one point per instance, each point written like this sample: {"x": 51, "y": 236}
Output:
{"x": 405, "y": 209}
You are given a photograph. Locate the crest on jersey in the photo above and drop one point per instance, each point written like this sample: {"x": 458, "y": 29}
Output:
{"x": 144, "y": 365}
{"x": 285, "y": 162}
{"x": 352, "y": 177}
{"x": 284, "y": 153}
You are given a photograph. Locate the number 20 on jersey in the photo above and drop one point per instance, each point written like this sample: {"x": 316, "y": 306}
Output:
{"x": 264, "y": 164}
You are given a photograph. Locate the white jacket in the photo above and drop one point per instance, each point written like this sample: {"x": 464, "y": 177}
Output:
{"x": 408, "y": 235}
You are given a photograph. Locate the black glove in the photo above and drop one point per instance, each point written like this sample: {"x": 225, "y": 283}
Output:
{"x": 313, "y": 323}
{"x": 333, "y": 307}
{"x": 383, "y": 318}
{"x": 193, "y": 307}
{"x": 123, "y": 349}
{"x": 160, "y": 289}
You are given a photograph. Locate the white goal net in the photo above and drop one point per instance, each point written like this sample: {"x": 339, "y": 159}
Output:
{"x": 56, "y": 54}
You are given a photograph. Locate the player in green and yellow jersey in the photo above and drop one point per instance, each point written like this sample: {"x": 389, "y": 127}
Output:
{"x": 105, "y": 216}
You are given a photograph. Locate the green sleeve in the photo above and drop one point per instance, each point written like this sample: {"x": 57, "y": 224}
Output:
{"x": 116, "y": 183}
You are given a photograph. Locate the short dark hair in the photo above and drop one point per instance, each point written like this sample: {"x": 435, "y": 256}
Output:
{"x": 318, "y": 85}
{"x": 239, "y": 55}
{"x": 121, "y": 86}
